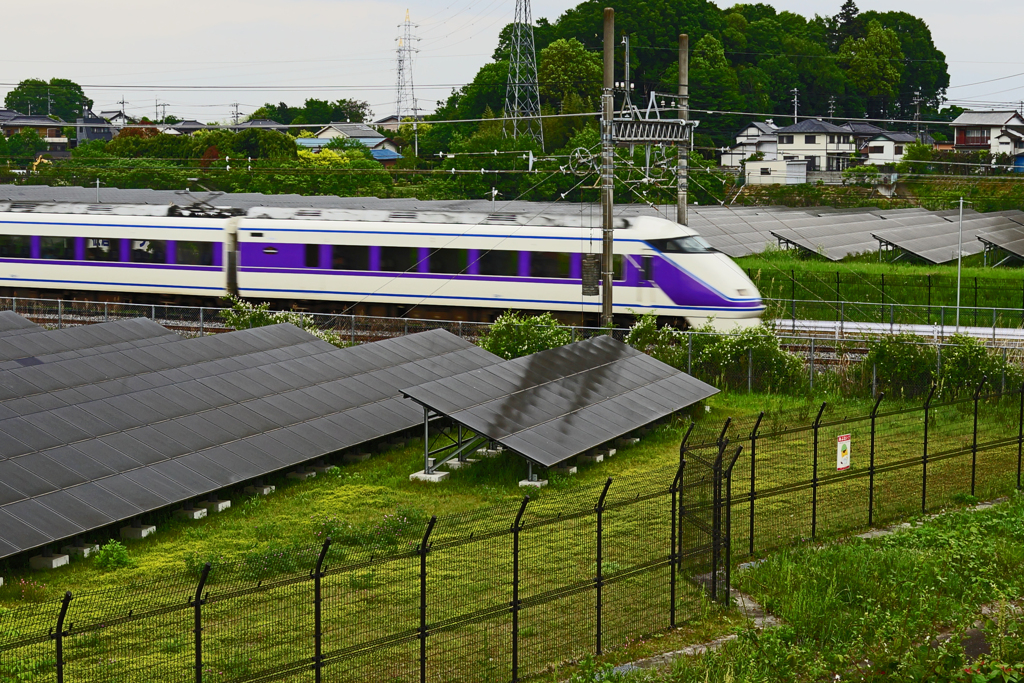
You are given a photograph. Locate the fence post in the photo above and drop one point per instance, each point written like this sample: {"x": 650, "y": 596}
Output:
{"x": 728, "y": 526}
{"x": 58, "y": 636}
{"x": 423, "y": 597}
{"x": 812, "y": 363}
{"x": 753, "y": 473}
{"x": 673, "y": 555}
{"x": 152, "y": 312}
{"x": 517, "y": 526}
{"x": 716, "y": 513}
{"x": 682, "y": 508}
{"x": 814, "y": 478}
{"x": 599, "y": 582}
{"x": 929, "y": 318}
{"x": 871, "y": 466}
{"x": 974, "y": 435}
{"x": 60, "y": 314}
{"x": 197, "y": 604}
{"x": 1020, "y": 434}
{"x": 201, "y": 330}
{"x": 352, "y": 334}
{"x": 689, "y": 353}
{"x": 318, "y": 649}
{"x": 924, "y": 455}
{"x": 750, "y": 369}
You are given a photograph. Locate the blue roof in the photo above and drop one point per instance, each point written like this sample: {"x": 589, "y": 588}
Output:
{"x": 385, "y": 155}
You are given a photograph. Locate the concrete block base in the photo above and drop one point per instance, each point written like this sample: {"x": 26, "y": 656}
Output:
{"x": 397, "y": 442}
{"x": 301, "y": 475}
{"x": 352, "y": 458}
{"x": 215, "y": 505}
{"x": 627, "y": 441}
{"x": 52, "y": 562}
{"x": 591, "y": 459}
{"x": 321, "y": 469}
{"x": 433, "y": 478}
{"x": 259, "y": 490}
{"x": 82, "y": 551}
{"x": 1, "y": 582}
{"x": 194, "y": 513}
{"x": 564, "y": 469}
{"x": 457, "y": 464}
{"x": 490, "y": 452}
{"x": 134, "y": 533}
{"x": 606, "y": 452}
{"x": 535, "y": 483}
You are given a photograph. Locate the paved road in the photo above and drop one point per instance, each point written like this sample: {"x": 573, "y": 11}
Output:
{"x": 855, "y": 329}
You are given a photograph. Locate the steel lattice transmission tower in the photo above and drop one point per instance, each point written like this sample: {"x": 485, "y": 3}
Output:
{"x": 522, "y": 96}
{"x": 405, "y": 94}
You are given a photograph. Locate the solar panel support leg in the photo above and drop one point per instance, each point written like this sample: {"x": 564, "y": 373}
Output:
{"x": 426, "y": 441}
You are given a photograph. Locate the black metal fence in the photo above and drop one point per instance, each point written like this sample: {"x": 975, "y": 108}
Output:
{"x": 499, "y": 595}
{"x": 789, "y": 483}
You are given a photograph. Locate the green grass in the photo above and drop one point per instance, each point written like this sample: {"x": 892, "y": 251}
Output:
{"x": 786, "y": 275}
{"x": 260, "y": 544}
{"x": 859, "y": 610}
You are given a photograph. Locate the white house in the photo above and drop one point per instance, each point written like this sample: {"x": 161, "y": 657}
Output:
{"x": 756, "y": 137}
{"x": 994, "y": 132}
{"x": 357, "y": 131}
{"x": 824, "y": 146}
{"x": 776, "y": 172}
{"x": 887, "y": 148}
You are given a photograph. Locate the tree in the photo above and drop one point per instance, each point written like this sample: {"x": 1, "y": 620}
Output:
{"x": 60, "y": 97}
{"x": 566, "y": 67}
{"x": 874, "y": 63}
{"x": 925, "y": 73}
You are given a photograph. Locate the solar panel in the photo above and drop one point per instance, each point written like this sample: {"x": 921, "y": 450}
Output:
{"x": 1009, "y": 239}
{"x": 137, "y": 443}
{"x": 553, "y": 405}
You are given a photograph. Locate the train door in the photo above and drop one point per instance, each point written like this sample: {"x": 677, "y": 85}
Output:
{"x": 645, "y": 279}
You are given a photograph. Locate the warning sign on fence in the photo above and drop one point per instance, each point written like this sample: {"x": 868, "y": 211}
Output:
{"x": 843, "y": 452}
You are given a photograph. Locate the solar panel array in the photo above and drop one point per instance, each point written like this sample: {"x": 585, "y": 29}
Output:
{"x": 89, "y": 439}
{"x": 555, "y": 404}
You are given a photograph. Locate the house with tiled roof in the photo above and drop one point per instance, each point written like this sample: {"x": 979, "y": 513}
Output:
{"x": 757, "y": 136}
{"x": 995, "y": 132}
{"x": 823, "y": 145}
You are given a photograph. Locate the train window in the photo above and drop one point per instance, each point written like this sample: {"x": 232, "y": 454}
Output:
{"x": 149, "y": 251}
{"x": 57, "y": 248}
{"x": 102, "y": 249}
{"x": 399, "y": 259}
{"x": 312, "y": 255}
{"x": 694, "y": 244}
{"x": 349, "y": 257}
{"x": 449, "y": 261}
{"x": 194, "y": 253}
{"x": 15, "y": 246}
{"x": 549, "y": 264}
{"x": 496, "y": 262}
{"x": 617, "y": 272}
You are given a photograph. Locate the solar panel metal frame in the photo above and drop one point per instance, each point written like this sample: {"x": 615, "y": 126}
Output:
{"x": 518, "y": 403}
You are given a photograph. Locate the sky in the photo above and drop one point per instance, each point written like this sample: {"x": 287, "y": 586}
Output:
{"x": 200, "y": 58}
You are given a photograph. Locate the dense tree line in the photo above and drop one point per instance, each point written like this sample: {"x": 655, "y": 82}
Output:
{"x": 745, "y": 58}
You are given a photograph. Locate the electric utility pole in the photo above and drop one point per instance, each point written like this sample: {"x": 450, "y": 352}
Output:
{"x": 682, "y": 177}
{"x": 796, "y": 100}
{"x": 607, "y": 169}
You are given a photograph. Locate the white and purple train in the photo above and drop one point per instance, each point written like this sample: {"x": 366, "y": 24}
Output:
{"x": 468, "y": 266}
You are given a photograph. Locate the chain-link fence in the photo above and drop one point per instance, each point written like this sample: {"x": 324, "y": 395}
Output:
{"x": 496, "y": 594}
{"x": 803, "y": 476}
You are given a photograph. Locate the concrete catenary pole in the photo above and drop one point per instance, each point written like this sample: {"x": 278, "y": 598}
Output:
{"x": 607, "y": 168}
{"x": 682, "y": 181}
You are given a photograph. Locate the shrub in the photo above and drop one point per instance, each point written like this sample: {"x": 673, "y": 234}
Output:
{"x": 720, "y": 358}
{"x": 403, "y": 527}
{"x": 114, "y": 555}
{"x": 243, "y": 315}
{"x": 903, "y": 365}
{"x": 513, "y": 335}
{"x": 966, "y": 361}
